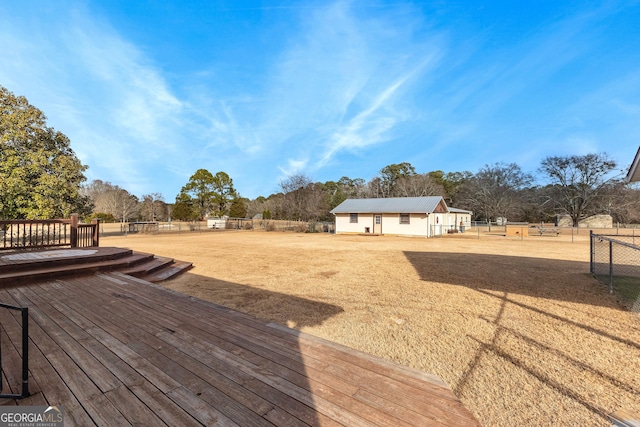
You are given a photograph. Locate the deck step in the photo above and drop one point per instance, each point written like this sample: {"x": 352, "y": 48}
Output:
{"x": 169, "y": 272}
{"x": 139, "y": 257}
{"x": 36, "y": 266}
{"x": 38, "y": 259}
{"x": 43, "y": 272}
{"x": 149, "y": 266}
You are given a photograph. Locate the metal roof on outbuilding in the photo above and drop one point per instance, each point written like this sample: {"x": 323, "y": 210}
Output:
{"x": 457, "y": 210}
{"x": 634, "y": 171}
{"x": 390, "y": 205}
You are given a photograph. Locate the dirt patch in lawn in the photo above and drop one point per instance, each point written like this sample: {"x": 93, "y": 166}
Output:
{"x": 517, "y": 328}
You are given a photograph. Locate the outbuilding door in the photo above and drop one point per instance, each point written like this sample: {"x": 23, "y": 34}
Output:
{"x": 377, "y": 224}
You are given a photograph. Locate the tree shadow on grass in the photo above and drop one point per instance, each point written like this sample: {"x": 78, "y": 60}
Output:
{"x": 560, "y": 280}
{"x": 504, "y": 278}
{"x": 288, "y": 310}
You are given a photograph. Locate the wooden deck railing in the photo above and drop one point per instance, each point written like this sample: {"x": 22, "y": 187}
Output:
{"x": 48, "y": 233}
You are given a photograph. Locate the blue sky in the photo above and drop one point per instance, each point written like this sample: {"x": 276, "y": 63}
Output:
{"x": 150, "y": 91}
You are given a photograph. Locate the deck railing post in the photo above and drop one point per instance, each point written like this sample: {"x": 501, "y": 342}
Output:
{"x": 96, "y": 232}
{"x": 74, "y": 231}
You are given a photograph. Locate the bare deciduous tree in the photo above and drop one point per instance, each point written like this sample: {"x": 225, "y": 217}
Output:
{"x": 303, "y": 199}
{"x": 120, "y": 203}
{"x": 621, "y": 201}
{"x": 153, "y": 207}
{"x": 418, "y": 185}
{"x": 494, "y": 191}
{"x": 577, "y": 182}
{"x": 111, "y": 199}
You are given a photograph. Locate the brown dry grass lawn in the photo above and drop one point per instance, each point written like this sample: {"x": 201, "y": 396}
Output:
{"x": 518, "y": 328}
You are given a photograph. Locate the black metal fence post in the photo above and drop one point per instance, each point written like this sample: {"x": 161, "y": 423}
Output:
{"x": 610, "y": 266}
{"x": 25, "y": 352}
{"x": 591, "y": 249}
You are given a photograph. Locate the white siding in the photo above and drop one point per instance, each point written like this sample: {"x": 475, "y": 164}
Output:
{"x": 439, "y": 223}
{"x": 418, "y": 225}
{"x": 216, "y": 223}
{"x": 343, "y": 224}
{"x": 459, "y": 219}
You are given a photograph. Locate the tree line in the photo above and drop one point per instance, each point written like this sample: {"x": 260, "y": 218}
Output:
{"x": 41, "y": 177}
{"x": 577, "y": 186}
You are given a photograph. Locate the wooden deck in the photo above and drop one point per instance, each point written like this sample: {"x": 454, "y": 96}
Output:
{"x": 115, "y": 350}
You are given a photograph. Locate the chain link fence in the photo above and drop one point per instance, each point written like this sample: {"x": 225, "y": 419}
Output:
{"x": 297, "y": 226}
{"x": 153, "y": 227}
{"x": 615, "y": 261}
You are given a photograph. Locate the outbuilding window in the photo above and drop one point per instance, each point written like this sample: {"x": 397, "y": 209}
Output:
{"x": 405, "y": 218}
{"x": 353, "y": 218}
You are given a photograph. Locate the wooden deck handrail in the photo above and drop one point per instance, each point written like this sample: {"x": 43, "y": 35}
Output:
{"x": 48, "y": 233}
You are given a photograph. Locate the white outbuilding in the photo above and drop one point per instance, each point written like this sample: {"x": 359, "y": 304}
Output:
{"x": 409, "y": 216}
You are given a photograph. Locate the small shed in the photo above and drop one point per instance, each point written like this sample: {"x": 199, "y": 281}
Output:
{"x": 410, "y": 216}
{"x": 461, "y": 218}
{"x": 217, "y": 223}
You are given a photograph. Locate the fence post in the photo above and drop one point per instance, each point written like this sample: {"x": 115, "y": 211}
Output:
{"x": 74, "y": 231}
{"x": 610, "y": 266}
{"x": 96, "y": 232}
{"x": 591, "y": 248}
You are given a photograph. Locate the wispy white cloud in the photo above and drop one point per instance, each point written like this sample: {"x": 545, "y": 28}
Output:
{"x": 293, "y": 167}
{"x": 335, "y": 89}
{"x": 338, "y": 83}
{"x": 139, "y": 100}
{"x": 341, "y": 83}
{"x": 101, "y": 91}
{"x": 369, "y": 126}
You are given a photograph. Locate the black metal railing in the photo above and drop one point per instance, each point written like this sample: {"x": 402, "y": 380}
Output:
{"x": 25, "y": 355}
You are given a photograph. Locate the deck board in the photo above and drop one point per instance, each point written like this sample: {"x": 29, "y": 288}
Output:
{"x": 179, "y": 352}
{"x": 116, "y": 350}
{"x": 358, "y": 369}
{"x": 330, "y": 390}
{"x": 42, "y": 372}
